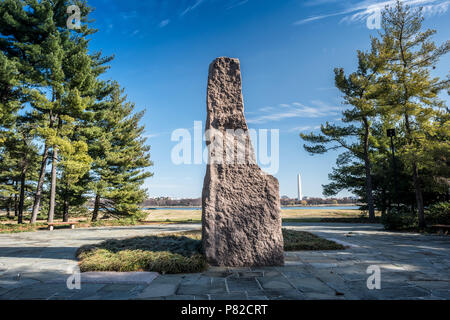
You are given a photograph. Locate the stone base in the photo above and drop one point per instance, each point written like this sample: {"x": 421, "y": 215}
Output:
{"x": 241, "y": 224}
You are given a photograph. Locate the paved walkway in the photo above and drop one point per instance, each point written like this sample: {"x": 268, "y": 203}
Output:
{"x": 36, "y": 266}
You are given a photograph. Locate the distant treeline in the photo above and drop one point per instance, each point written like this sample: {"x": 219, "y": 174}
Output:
{"x": 317, "y": 201}
{"x": 165, "y": 201}
{"x": 197, "y": 202}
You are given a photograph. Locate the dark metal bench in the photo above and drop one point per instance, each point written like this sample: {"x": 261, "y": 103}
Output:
{"x": 442, "y": 228}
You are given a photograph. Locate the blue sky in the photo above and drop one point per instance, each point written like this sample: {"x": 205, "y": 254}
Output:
{"x": 288, "y": 50}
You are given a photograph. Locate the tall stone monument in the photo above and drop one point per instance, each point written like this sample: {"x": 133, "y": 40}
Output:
{"x": 241, "y": 219}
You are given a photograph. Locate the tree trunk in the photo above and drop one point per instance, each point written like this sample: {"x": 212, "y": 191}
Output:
{"x": 51, "y": 209}
{"x": 66, "y": 202}
{"x": 16, "y": 205}
{"x": 367, "y": 166}
{"x": 8, "y": 208}
{"x": 369, "y": 195}
{"x": 416, "y": 181}
{"x": 96, "y": 207}
{"x": 419, "y": 197}
{"x": 22, "y": 195}
{"x": 38, "y": 195}
{"x": 65, "y": 211}
{"x": 383, "y": 194}
{"x": 22, "y": 182}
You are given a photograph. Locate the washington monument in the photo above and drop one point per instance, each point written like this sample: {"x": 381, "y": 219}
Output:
{"x": 299, "y": 185}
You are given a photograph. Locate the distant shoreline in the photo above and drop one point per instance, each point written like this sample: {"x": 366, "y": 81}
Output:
{"x": 287, "y": 206}
{"x": 323, "y": 205}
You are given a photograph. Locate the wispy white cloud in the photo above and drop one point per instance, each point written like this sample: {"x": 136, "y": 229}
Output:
{"x": 267, "y": 109}
{"x": 164, "y": 23}
{"x": 304, "y": 128}
{"x": 155, "y": 184}
{"x": 311, "y": 3}
{"x": 192, "y": 7}
{"x": 318, "y": 109}
{"x": 129, "y": 15}
{"x": 197, "y": 3}
{"x": 319, "y": 17}
{"x": 363, "y": 9}
{"x": 237, "y": 4}
{"x": 152, "y": 135}
{"x": 109, "y": 27}
{"x": 326, "y": 88}
{"x": 157, "y": 134}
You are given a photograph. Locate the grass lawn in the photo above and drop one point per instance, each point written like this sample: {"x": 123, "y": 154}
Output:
{"x": 173, "y": 253}
{"x": 169, "y": 215}
{"x": 11, "y": 226}
{"x": 8, "y": 225}
{"x": 288, "y": 215}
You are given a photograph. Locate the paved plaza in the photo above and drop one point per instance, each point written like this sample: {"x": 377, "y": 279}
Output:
{"x": 36, "y": 265}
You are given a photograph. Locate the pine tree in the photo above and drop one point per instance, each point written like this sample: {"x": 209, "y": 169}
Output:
{"x": 10, "y": 95}
{"x": 360, "y": 90}
{"x": 26, "y": 153}
{"x": 19, "y": 156}
{"x": 9, "y": 175}
{"x": 47, "y": 72}
{"x": 120, "y": 157}
{"x": 73, "y": 183}
{"x": 73, "y": 99}
{"x": 56, "y": 63}
{"x": 392, "y": 187}
{"x": 27, "y": 27}
{"x": 10, "y": 103}
{"x": 18, "y": 151}
{"x": 412, "y": 95}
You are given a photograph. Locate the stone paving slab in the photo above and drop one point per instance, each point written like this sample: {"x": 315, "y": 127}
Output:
{"x": 118, "y": 277}
{"x": 36, "y": 265}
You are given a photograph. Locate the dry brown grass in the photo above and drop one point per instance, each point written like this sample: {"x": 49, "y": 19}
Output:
{"x": 186, "y": 216}
{"x": 310, "y": 214}
{"x": 173, "y": 215}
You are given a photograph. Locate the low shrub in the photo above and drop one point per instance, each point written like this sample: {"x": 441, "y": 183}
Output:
{"x": 16, "y": 228}
{"x": 399, "y": 219}
{"x": 438, "y": 213}
{"x": 300, "y": 240}
{"x": 175, "y": 253}
{"x": 114, "y": 222}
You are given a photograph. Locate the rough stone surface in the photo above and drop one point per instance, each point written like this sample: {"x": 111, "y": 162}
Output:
{"x": 241, "y": 217}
